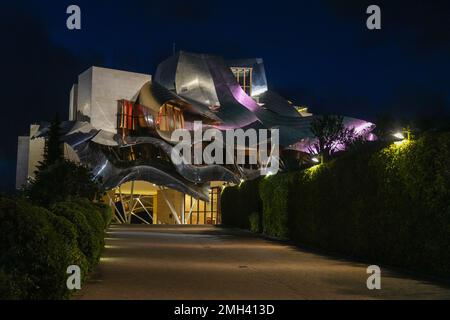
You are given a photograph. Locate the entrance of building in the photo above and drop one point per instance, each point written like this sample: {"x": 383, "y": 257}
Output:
{"x": 140, "y": 202}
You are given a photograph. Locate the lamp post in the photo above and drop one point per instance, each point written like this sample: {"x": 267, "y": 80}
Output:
{"x": 317, "y": 159}
{"x": 407, "y": 130}
{"x": 402, "y": 136}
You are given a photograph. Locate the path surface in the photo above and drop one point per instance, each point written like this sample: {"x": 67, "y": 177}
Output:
{"x": 206, "y": 262}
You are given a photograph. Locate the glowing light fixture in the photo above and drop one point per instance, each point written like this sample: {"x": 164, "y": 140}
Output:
{"x": 315, "y": 159}
{"x": 269, "y": 173}
{"x": 399, "y": 135}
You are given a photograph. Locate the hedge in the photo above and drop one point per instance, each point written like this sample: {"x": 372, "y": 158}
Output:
{"x": 239, "y": 204}
{"x": 385, "y": 204}
{"x": 391, "y": 206}
{"x": 106, "y": 213}
{"x": 88, "y": 234}
{"x": 37, "y": 245}
{"x": 9, "y": 288}
{"x": 33, "y": 255}
{"x": 275, "y": 213}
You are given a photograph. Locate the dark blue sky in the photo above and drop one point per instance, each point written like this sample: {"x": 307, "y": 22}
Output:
{"x": 317, "y": 53}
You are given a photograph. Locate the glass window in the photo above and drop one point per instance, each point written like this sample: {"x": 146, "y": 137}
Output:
{"x": 203, "y": 212}
{"x": 243, "y": 77}
{"x": 170, "y": 118}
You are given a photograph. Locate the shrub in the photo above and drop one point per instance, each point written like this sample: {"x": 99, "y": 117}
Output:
{"x": 62, "y": 181}
{"x": 92, "y": 214}
{"x": 9, "y": 287}
{"x": 255, "y": 222}
{"x": 33, "y": 255}
{"x": 228, "y": 206}
{"x": 88, "y": 238}
{"x": 239, "y": 202}
{"x": 249, "y": 200}
{"x": 275, "y": 210}
{"x": 106, "y": 213}
{"x": 68, "y": 232}
{"x": 386, "y": 204}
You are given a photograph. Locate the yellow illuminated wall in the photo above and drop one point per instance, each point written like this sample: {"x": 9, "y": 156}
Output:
{"x": 201, "y": 212}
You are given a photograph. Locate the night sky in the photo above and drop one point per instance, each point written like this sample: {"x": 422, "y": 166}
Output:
{"x": 316, "y": 53}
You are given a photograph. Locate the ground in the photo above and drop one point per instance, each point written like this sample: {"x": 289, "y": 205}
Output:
{"x": 207, "y": 262}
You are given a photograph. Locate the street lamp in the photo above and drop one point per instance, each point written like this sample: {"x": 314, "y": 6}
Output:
{"x": 404, "y": 135}
{"x": 399, "y": 135}
{"x": 317, "y": 159}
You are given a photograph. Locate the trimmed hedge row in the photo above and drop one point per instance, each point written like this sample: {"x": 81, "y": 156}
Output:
{"x": 37, "y": 245}
{"x": 387, "y": 204}
{"x": 239, "y": 203}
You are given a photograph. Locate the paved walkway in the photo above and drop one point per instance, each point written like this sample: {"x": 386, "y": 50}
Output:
{"x": 205, "y": 262}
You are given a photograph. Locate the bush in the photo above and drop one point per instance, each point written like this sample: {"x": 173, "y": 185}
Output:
{"x": 228, "y": 206}
{"x": 275, "y": 211}
{"x": 239, "y": 202}
{"x": 89, "y": 238}
{"x": 33, "y": 255}
{"x": 62, "y": 181}
{"x": 390, "y": 205}
{"x": 106, "y": 212}
{"x": 37, "y": 246}
{"x": 9, "y": 288}
{"x": 94, "y": 218}
{"x": 387, "y": 204}
{"x": 92, "y": 214}
{"x": 255, "y": 222}
{"x": 68, "y": 232}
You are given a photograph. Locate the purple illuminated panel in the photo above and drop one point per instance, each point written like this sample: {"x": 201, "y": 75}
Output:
{"x": 362, "y": 129}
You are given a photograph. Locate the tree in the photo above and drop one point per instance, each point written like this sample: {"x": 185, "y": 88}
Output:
{"x": 62, "y": 181}
{"x": 331, "y": 135}
{"x": 53, "y": 151}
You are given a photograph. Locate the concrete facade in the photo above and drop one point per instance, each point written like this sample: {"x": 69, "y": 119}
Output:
{"x": 30, "y": 152}
{"x": 99, "y": 90}
{"x": 23, "y": 150}
{"x": 73, "y": 103}
{"x": 36, "y": 151}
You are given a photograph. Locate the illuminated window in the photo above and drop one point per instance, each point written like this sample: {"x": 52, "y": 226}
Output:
{"x": 244, "y": 78}
{"x": 203, "y": 212}
{"x": 132, "y": 118}
{"x": 126, "y": 115}
{"x": 170, "y": 118}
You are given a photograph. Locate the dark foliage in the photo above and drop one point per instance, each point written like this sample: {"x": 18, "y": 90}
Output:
{"x": 386, "y": 204}
{"x": 37, "y": 246}
{"x": 88, "y": 236}
{"x": 106, "y": 212}
{"x": 390, "y": 205}
{"x": 53, "y": 149}
{"x": 33, "y": 254}
{"x": 238, "y": 203}
{"x": 62, "y": 181}
{"x": 330, "y": 133}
